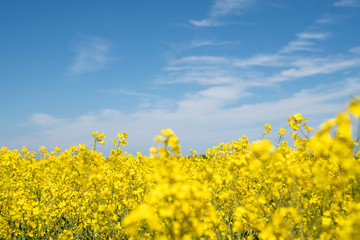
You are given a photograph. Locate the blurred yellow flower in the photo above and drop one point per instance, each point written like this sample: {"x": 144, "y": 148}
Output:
{"x": 167, "y": 132}
{"x": 282, "y": 131}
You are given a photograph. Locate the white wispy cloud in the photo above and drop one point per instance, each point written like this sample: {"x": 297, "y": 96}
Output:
{"x": 201, "y": 43}
{"x": 91, "y": 55}
{"x": 203, "y": 75}
{"x": 204, "y": 70}
{"x": 287, "y": 64}
{"x": 309, "y": 67}
{"x": 221, "y": 8}
{"x": 324, "y": 20}
{"x": 347, "y": 3}
{"x": 224, "y": 7}
{"x": 213, "y": 97}
{"x": 355, "y": 50}
{"x": 286, "y": 67}
{"x": 304, "y": 43}
{"x": 300, "y": 45}
{"x": 206, "y": 23}
{"x": 201, "y": 59}
{"x": 127, "y": 92}
{"x": 317, "y": 36}
{"x": 270, "y": 60}
{"x": 41, "y": 119}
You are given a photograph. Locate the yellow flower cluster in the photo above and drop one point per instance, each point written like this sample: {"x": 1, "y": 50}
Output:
{"x": 237, "y": 190}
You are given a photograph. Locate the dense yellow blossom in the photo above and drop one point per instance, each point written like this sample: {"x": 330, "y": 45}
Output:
{"x": 282, "y": 131}
{"x": 237, "y": 190}
{"x": 267, "y": 128}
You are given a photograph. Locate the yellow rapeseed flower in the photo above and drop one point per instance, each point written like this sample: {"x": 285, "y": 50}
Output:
{"x": 167, "y": 132}
{"x": 282, "y": 131}
{"x": 354, "y": 106}
{"x": 267, "y": 128}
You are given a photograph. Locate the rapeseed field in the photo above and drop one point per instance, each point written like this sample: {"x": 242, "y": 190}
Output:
{"x": 237, "y": 190}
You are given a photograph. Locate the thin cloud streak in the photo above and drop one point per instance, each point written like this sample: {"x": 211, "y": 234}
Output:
{"x": 355, "y": 50}
{"x": 300, "y": 45}
{"x": 213, "y": 43}
{"x": 202, "y": 75}
{"x": 274, "y": 60}
{"x": 222, "y": 8}
{"x": 201, "y": 59}
{"x": 347, "y": 3}
{"x": 206, "y": 23}
{"x": 317, "y": 36}
{"x": 127, "y": 92}
{"x": 225, "y": 7}
{"x": 324, "y": 20}
{"x": 310, "y": 67}
{"x": 304, "y": 43}
{"x": 92, "y": 55}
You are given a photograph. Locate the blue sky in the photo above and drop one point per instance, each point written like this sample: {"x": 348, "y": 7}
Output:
{"x": 212, "y": 70}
